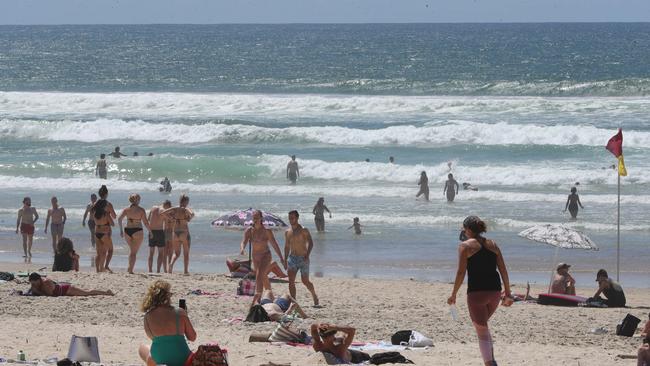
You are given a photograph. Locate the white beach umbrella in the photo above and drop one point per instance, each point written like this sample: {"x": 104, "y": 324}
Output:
{"x": 559, "y": 236}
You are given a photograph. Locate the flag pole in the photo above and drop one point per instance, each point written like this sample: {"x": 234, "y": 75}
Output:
{"x": 618, "y": 229}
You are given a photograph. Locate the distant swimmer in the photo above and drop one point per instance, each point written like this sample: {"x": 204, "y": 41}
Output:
{"x": 101, "y": 167}
{"x": 117, "y": 153}
{"x": 449, "y": 164}
{"x": 150, "y": 154}
{"x": 572, "y": 203}
{"x": 319, "y": 214}
{"x": 391, "y": 160}
{"x": 424, "y": 186}
{"x": 449, "y": 188}
{"x": 469, "y": 187}
{"x": 356, "y": 225}
{"x": 367, "y": 160}
{"x": 292, "y": 170}
{"x": 135, "y": 153}
{"x": 27, "y": 216}
{"x": 165, "y": 186}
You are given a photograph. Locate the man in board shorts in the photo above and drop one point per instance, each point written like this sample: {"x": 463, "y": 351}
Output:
{"x": 157, "y": 239}
{"x": 297, "y": 248}
{"x": 27, "y": 216}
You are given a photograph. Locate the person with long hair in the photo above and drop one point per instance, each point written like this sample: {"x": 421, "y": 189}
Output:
{"x": 481, "y": 258}
{"x": 319, "y": 214}
{"x": 259, "y": 238}
{"x": 135, "y": 217}
{"x": 104, "y": 214}
{"x": 182, "y": 239}
{"x": 166, "y": 326}
{"x": 424, "y": 186}
{"x": 572, "y": 202}
{"x": 65, "y": 259}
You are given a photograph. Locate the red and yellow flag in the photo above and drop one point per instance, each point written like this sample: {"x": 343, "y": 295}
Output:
{"x": 615, "y": 146}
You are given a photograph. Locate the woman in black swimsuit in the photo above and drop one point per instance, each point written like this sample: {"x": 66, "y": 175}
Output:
{"x": 103, "y": 242}
{"x": 135, "y": 216}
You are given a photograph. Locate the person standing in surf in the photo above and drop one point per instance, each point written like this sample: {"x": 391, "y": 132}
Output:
{"x": 481, "y": 258}
{"x": 450, "y": 184}
{"x": 292, "y": 170}
{"x": 259, "y": 237}
{"x": 319, "y": 214}
{"x": 424, "y": 186}
{"x": 101, "y": 167}
{"x": 27, "y": 217}
{"x": 572, "y": 202}
{"x": 57, "y": 214}
{"x": 104, "y": 214}
{"x": 91, "y": 220}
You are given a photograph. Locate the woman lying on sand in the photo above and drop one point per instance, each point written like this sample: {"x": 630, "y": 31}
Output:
{"x": 46, "y": 287}
{"x": 277, "y": 307}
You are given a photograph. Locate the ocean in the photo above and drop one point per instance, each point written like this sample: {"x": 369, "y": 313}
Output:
{"x": 521, "y": 111}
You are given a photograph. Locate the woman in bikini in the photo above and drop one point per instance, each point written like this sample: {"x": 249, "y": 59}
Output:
{"x": 103, "y": 215}
{"x": 181, "y": 216}
{"x": 135, "y": 216}
{"x": 259, "y": 237}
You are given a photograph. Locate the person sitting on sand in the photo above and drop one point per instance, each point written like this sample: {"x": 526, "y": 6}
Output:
{"x": 166, "y": 326}
{"x": 65, "y": 259}
{"x": 572, "y": 202}
{"x": 612, "y": 291}
{"x": 47, "y": 287}
{"x": 277, "y": 307}
{"x": 324, "y": 340}
{"x": 242, "y": 268}
{"x": 563, "y": 282}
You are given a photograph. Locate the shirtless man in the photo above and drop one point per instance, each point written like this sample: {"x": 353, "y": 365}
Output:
{"x": 101, "y": 167}
{"x": 449, "y": 188}
{"x": 292, "y": 170}
{"x": 157, "y": 239}
{"x": 563, "y": 282}
{"x": 57, "y": 214}
{"x": 27, "y": 216}
{"x": 259, "y": 238}
{"x": 91, "y": 220}
{"x": 297, "y": 248}
{"x": 117, "y": 153}
{"x": 319, "y": 214}
{"x": 181, "y": 216}
{"x": 47, "y": 287}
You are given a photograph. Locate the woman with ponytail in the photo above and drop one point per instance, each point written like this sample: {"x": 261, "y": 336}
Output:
{"x": 481, "y": 258}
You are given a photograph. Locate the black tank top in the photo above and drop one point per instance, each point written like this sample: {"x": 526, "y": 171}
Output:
{"x": 482, "y": 272}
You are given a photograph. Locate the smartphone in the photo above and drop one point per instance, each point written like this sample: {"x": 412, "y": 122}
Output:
{"x": 181, "y": 304}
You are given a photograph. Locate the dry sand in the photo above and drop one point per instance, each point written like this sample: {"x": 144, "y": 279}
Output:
{"x": 525, "y": 334}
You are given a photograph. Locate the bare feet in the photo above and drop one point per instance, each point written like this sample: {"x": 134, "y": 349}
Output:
{"x": 106, "y": 269}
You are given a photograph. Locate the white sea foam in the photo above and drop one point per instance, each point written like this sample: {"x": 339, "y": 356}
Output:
{"x": 431, "y": 134}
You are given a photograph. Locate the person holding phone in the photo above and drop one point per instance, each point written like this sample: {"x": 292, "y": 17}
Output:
{"x": 166, "y": 326}
{"x": 481, "y": 258}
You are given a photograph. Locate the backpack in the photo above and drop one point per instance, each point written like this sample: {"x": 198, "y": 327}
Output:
{"x": 628, "y": 326}
{"x": 209, "y": 355}
{"x": 7, "y": 276}
{"x": 388, "y": 357}
{"x": 401, "y": 337}
{"x": 257, "y": 314}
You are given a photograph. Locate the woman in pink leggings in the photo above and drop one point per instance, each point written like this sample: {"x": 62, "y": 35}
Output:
{"x": 481, "y": 258}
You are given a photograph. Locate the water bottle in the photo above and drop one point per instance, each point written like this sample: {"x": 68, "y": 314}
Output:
{"x": 454, "y": 312}
{"x": 21, "y": 356}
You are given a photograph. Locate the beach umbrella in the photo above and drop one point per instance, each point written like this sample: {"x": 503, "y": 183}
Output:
{"x": 559, "y": 236}
{"x": 242, "y": 219}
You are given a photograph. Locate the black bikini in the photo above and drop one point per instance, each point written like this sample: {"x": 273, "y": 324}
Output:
{"x": 131, "y": 230}
{"x": 100, "y": 235}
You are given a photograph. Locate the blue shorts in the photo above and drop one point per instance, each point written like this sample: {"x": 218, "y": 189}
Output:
{"x": 298, "y": 263}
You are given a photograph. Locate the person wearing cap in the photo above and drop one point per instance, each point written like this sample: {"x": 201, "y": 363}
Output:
{"x": 563, "y": 283}
{"x": 615, "y": 297}
{"x": 324, "y": 340}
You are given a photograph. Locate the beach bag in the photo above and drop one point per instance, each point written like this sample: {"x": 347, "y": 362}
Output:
{"x": 7, "y": 276}
{"x": 418, "y": 339}
{"x": 257, "y": 314}
{"x": 246, "y": 287}
{"x": 209, "y": 355}
{"x": 388, "y": 357}
{"x": 628, "y": 326}
{"x": 83, "y": 349}
{"x": 401, "y": 337}
{"x": 287, "y": 333}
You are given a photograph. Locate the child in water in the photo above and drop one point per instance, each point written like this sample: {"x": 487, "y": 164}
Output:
{"x": 356, "y": 225}
{"x": 572, "y": 203}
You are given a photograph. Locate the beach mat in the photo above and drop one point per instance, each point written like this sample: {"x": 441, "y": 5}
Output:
{"x": 560, "y": 300}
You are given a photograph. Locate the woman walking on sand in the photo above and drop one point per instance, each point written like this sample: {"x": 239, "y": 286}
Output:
{"x": 103, "y": 215}
{"x": 481, "y": 258}
{"x": 181, "y": 238}
{"x": 259, "y": 238}
{"x": 133, "y": 233}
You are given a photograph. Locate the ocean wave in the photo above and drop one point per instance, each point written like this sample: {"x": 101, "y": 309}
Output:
{"x": 303, "y": 108}
{"x": 431, "y": 134}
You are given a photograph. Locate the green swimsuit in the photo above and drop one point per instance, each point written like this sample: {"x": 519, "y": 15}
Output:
{"x": 170, "y": 350}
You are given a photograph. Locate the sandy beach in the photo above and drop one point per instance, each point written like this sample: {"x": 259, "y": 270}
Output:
{"x": 525, "y": 334}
